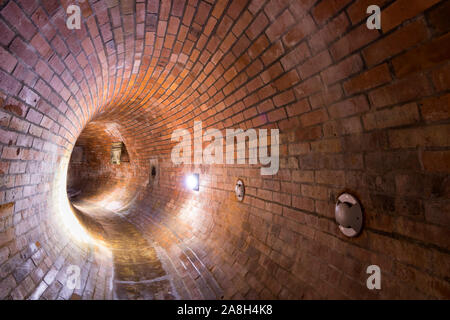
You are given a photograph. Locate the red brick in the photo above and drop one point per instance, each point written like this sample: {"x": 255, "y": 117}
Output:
{"x": 287, "y": 81}
{"x": 257, "y": 26}
{"x": 343, "y": 69}
{"x": 326, "y": 96}
{"x": 368, "y": 80}
{"x": 302, "y": 203}
{"x": 302, "y": 176}
{"x": 354, "y": 40}
{"x": 441, "y": 78}
{"x": 23, "y": 73}
{"x": 280, "y": 25}
{"x": 296, "y": 56}
{"x": 284, "y": 98}
{"x": 431, "y": 136}
{"x": 15, "y": 16}
{"x": 34, "y": 116}
{"x": 11, "y": 153}
{"x": 56, "y": 64}
{"x": 18, "y": 109}
{"x": 7, "y": 34}
{"x": 210, "y": 61}
{"x": 328, "y": 33}
{"x": 407, "y": 89}
{"x": 314, "y": 117}
{"x": 272, "y": 53}
{"x": 351, "y": 125}
{"x": 44, "y": 71}
{"x": 300, "y": 8}
{"x": 41, "y": 46}
{"x": 297, "y": 108}
{"x": 357, "y": 10}
{"x": 307, "y": 87}
{"x": 326, "y": 146}
{"x": 436, "y": 161}
{"x": 402, "y": 10}
{"x": 7, "y": 61}
{"x": 349, "y": 107}
{"x": 23, "y": 51}
{"x": 30, "y": 97}
{"x": 274, "y": 7}
{"x": 294, "y": 214}
{"x": 330, "y": 177}
{"x": 9, "y": 84}
{"x": 326, "y": 9}
{"x": 397, "y": 116}
{"x": 435, "y": 108}
{"x": 315, "y": 192}
{"x": 7, "y": 284}
{"x": 8, "y": 137}
{"x": 19, "y": 125}
{"x": 300, "y": 31}
{"x": 51, "y": 6}
{"x": 202, "y": 13}
{"x": 308, "y": 134}
{"x": 438, "y": 17}
{"x": 276, "y": 115}
{"x": 271, "y": 73}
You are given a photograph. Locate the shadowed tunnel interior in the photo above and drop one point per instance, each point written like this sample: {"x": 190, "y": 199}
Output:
{"x": 93, "y": 205}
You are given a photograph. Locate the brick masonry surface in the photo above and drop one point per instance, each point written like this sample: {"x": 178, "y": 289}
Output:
{"x": 358, "y": 110}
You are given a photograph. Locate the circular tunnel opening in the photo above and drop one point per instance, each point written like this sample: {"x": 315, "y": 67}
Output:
{"x": 103, "y": 182}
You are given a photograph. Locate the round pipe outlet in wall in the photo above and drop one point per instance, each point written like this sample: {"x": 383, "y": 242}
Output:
{"x": 239, "y": 189}
{"x": 348, "y": 215}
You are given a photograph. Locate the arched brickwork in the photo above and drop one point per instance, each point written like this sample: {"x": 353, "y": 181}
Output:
{"x": 358, "y": 110}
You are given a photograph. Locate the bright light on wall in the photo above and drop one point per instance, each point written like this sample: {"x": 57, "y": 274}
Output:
{"x": 192, "y": 181}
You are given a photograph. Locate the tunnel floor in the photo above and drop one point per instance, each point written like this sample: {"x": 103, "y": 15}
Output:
{"x": 138, "y": 271}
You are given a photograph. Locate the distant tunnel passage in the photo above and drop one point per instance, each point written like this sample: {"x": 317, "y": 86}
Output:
{"x": 94, "y": 201}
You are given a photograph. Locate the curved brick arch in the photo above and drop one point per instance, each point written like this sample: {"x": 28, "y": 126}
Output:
{"x": 358, "y": 110}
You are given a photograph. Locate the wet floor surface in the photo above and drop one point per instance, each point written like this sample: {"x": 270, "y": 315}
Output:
{"x": 138, "y": 271}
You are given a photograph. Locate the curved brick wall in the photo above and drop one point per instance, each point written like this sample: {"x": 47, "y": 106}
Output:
{"x": 358, "y": 110}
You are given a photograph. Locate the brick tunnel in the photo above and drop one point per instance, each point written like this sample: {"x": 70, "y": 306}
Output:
{"x": 106, "y": 120}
